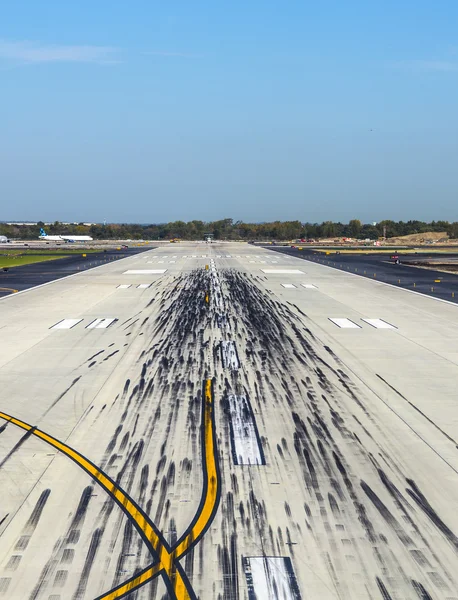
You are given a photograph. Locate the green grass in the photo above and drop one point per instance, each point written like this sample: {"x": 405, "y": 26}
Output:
{"x": 18, "y": 261}
{"x": 18, "y": 258}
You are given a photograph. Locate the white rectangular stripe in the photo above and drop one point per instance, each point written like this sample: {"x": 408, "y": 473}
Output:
{"x": 345, "y": 323}
{"x": 244, "y": 438}
{"x": 100, "y": 323}
{"x": 124, "y": 286}
{"x": 144, "y": 271}
{"x": 282, "y": 272}
{"x": 229, "y": 354}
{"x": 289, "y": 286}
{"x": 66, "y": 324}
{"x": 309, "y": 286}
{"x": 143, "y": 286}
{"x": 270, "y": 578}
{"x": 379, "y": 323}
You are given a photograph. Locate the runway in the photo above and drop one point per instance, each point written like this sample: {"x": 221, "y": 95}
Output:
{"x": 431, "y": 282}
{"x": 20, "y": 278}
{"x": 225, "y": 422}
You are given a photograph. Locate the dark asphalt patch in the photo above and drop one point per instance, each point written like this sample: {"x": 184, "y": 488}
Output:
{"x": 379, "y": 268}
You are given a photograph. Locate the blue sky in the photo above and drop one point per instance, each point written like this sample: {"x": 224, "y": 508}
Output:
{"x": 148, "y": 111}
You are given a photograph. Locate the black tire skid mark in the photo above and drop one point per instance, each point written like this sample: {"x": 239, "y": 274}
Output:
{"x": 336, "y": 419}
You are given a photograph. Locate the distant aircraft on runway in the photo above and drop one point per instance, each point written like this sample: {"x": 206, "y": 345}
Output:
{"x": 64, "y": 238}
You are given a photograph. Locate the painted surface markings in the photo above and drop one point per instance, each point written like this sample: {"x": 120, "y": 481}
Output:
{"x": 166, "y": 557}
{"x": 245, "y": 442}
{"x": 344, "y": 323}
{"x": 66, "y": 324}
{"x": 379, "y": 323}
{"x": 271, "y": 578}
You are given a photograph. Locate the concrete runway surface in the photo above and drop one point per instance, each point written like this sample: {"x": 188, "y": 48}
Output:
{"x": 266, "y": 429}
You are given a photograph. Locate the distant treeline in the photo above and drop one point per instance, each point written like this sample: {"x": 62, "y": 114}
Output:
{"x": 228, "y": 229}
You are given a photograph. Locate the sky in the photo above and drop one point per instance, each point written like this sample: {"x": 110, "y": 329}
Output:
{"x": 148, "y": 111}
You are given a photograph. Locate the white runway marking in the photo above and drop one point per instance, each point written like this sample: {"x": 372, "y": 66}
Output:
{"x": 101, "y": 323}
{"x": 144, "y": 271}
{"x": 379, "y": 323}
{"x": 345, "y": 323}
{"x": 124, "y": 286}
{"x": 271, "y": 578}
{"x": 229, "y": 353}
{"x": 290, "y": 286}
{"x": 309, "y": 286}
{"x": 283, "y": 271}
{"x": 172, "y": 262}
{"x": 244, "y": 439}
{"x": 66, "y": 324}
{"x": 143, "y": 286}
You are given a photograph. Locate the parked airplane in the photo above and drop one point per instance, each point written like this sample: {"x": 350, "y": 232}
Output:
{"x": 64, "y": 238}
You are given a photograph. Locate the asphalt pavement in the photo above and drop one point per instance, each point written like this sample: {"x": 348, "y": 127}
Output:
{"x": 20, "y": 278}
{"x": 380, "y": 267}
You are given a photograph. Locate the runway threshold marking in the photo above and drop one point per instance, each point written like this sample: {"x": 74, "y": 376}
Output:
{"x": 167, "y": 557}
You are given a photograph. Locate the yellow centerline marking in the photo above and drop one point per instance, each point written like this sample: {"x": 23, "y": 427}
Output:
{"x": 211, "y": 473}
{"x": 167, "y": 559}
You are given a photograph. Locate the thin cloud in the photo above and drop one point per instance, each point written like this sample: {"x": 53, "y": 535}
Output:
{"x": 429, "y": 65}
{"x": 173, "y": 54}
{"x": 26, "y": 52}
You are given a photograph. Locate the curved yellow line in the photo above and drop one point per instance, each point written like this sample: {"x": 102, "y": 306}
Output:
{"x": 211, "y": 473}
{"x": 166, "y": 559}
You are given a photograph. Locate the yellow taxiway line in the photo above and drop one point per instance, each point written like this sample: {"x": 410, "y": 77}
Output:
{"x": 167, "y": 558}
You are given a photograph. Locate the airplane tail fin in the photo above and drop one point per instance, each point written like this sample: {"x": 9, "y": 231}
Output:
{"x": 43, "y": 232}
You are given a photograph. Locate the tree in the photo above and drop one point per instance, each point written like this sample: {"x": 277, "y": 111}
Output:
{"x": 328, "y": 229}
{"x": 354, "y": 228}
{"x": 452, "y": 230}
